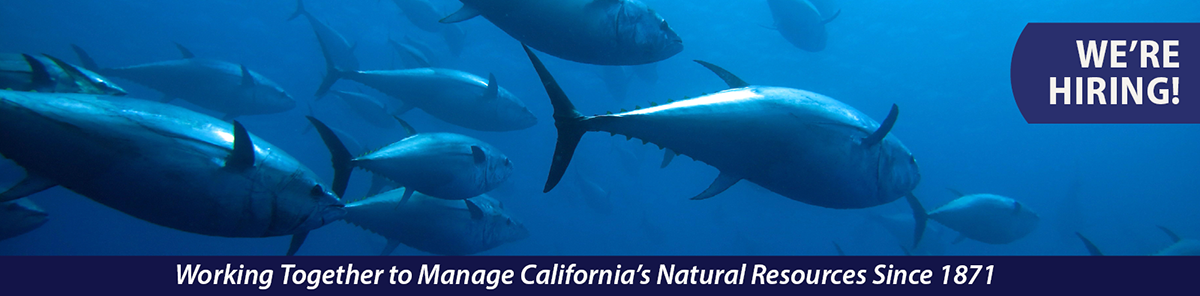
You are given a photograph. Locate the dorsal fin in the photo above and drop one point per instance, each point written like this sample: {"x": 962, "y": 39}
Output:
{"x": 830, "y": 19}
{"x": 732, "y": 80}
{"x": 85, "y": 59}
{"x": 1016, "y": 207}
{"x": 884, "y": 128}
{"x": 247, "y": 78}
{"x": 493, "y": 88}
{"x": 86, "y": 85}
{"x": 1087, "y": 243}
{"x": 1174, "y": 237}
{"x": 464, "y": 13}
{"x": 956, "y": 192}
{"x": 40, "y": 76}
{"x": 243, "y": 149}
{"x": 407, "y": 128}
{"x": 187, "y": 54}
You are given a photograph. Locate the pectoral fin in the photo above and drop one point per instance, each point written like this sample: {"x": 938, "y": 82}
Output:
{"x": 476, "y": 212}
{"x": 242, "y": 156}
{"x": 28, "y": 186}
{"x": 247, "y": 78}
{"x": 723, "y": 182}
{"x": 464, "y": 13}
{"x": 477, "y": 152}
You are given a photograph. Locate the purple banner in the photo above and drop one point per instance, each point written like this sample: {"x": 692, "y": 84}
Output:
{"x": 596, "y": 275}
{"x": 1107, "y": 73}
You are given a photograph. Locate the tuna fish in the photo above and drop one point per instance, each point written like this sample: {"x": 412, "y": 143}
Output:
{"x": 1179, "y": 246}
{"x": 456, "y": 97}
{"x": 599, "y": 32}
{"x": 19, "y": 217}
{"x": 45, "y": 73}
{"x": 212, "y": 84}
{"x": 987, "y": 218}
{"x": 801, "y": 23}
{"x": 163, "y": 164}
{"x": 421, "y": 14}
{"x": 368, "y": 108}
{"x": 435, "y": 225}
{"x": 443, "y": 165}
{"x": 339, "y": 53}
{"x": 802, "y": 145}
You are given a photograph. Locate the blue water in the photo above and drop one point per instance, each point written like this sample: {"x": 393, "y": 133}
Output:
{"x": 945, "y": 63}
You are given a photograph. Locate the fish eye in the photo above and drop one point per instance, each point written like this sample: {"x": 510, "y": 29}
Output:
{"x": 317, "y": 190}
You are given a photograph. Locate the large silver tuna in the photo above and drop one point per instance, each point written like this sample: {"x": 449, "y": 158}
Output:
{"x": 987, "y": 218}
{"x": 799, "y": 144}
{"x": 456, "y": 97}
{"x": 339, "y": 53}
{"x": 436, "y": 225}
{"x": 599, "y": 32}
{"x": 1179, "y": 247}
{"x": 19, "y": 217}
{"x": 163, "y": 164}
{"x": 211, "y": 84}
{"x": 443, "y": 165}
{"x": 801, "y": 23}
{"x": 45, "y": 73}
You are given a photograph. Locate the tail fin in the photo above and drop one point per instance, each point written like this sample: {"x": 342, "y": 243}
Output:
{"x": 567, "y": 120}
{"x": 299, "y": 10}
{"x": 920, "y": 218}
{"x": 340, "y": 156}
{"x": 85, "y": 59}
{"x": 332, "y": 75}
{"x": 1092, "y": 249}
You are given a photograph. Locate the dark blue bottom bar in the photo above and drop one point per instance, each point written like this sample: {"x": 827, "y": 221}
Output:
{"x": 594, "y": 275}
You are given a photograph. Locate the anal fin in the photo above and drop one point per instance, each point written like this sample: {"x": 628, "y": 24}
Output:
{"x": 390, "y": 247}
{"x": 722, "y": 183}
{"x": 28, "y": 186}
{"x": 297, "y": 240}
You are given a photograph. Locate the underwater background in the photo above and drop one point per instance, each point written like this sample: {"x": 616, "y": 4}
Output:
{"x": 945, "y": 63}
